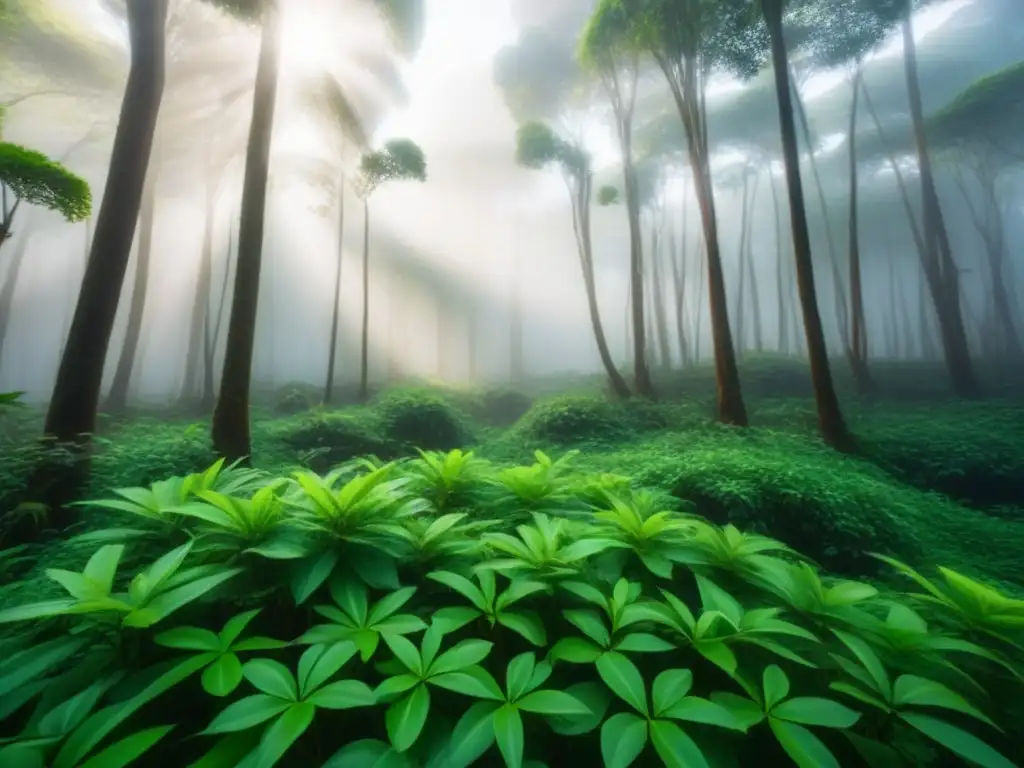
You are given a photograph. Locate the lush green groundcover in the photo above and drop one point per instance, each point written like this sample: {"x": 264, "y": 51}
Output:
{"x": 443, "y": 610}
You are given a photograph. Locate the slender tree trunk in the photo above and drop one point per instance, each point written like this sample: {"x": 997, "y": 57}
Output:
{"x": 641, "y": 372}
{"x": 332, "y": 350}
{"x": 941, "y": 272}
{"x": 830, "y": 417}
{"x": 658, "y": 302}
{"x": 780, "y": 299}
{"x": 212, "y": 332}
{"x": 10, "y": 286}
{"x": 927, "y": 342}
{"x": 741, "y": 273}
{"x": 755, "y": 294}
{"x": 679, "y": 284}
{"x": 857, "y": 351}
{"x": 232, "y": 437}
{"x": 117, "y": 399}
{"x": 698, "y": 319}
{"x": 200, "y": 302}
{"x": 690, "y": 103}
{"x": 364, "y": 349}
{"x": 72, "y": 412}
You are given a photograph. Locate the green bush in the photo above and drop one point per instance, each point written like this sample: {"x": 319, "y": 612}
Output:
{"x": 323, "y": 439}
{"x": 146, "y": 449}
{"x": 421, "y": 418}
{"x": 574, "y": 418}
{"x": 274, "y": 628}
{"x": 292, "y": 401}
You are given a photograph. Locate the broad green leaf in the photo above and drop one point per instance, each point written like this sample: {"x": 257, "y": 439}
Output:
{"x": 674, "y": 747}
{"x": 575, "y": 650}
{"x": 471, "y": 681}
{"x": 643, "y": 642}
{"x": 223, "y": 676}
{"x": 21, "y": 756}
{"x": 311, "y": 573}
{"x": 406, "y": 717}
{"x": 344, "y": 694}
{"x": 389, "y": 605}
{"x": 246, "y": 713}
{"x": 454, "y": 617}
{"x": 39, "y": 610}
{"x": 272, "y": 678}
{"x": 395, "y": 685}
{"x": 128, "y": 749}
{"x": 319, "y": 663}
{"x": 518, "y": 674}
{"x": 696, "y": 710}
{"x": 368, "y": 753}
{"x": 590, "y": 624}
{"x": 67, "y": 715}
{"x": 351, "y": 595}
{"x": 25, "y": 665}
{"x": 669, "y": 687}
{"x": 462, "y": 655}
{"x": 236, "y": 625}
{"x": 910, "y": 690}
{"x": 776, "y": 686}
{"x": 508, "y": 732}
{"x": 806, "y": 749}
{"x": 527, "y": 624}
{"x": 189, "y": 639}
{"x": 862, "y": 696}
{"x": 869, "y": 660}
{"x": 405, "y": 652}
{"x": 283, "y": 733}
{"x": 592, "y": 695}
{"x": 553, "y": 703}
{"x": 473, "y": 734}
{"x": 166, "y": 603}
{"x": 229, "y": 750}
{"x": 463, "y": 586}
{"x": 957, "y": 740}
{"x": 811, "y": 710}
{"x": 624, "y": 679}
{"x": 102, "y": 568}
{"x": 747, "y": 713}
{"x": 623, "y": 737}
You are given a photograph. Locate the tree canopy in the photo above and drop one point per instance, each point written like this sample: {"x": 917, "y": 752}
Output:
{"x": 37, "y": 180}
{"x": 536, "y": 75}
{"x": 989, "y": 111}
{"x": 538, "y": 146}
{"x": 399, "y": 159}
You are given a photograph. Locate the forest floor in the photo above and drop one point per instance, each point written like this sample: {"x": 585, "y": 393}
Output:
{"x": 935, "y": 481}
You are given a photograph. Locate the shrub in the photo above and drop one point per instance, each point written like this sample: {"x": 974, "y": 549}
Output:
{"x": 503, "y": 407}
{"x": 292, "y": 401}
{"x": 323, "y": 439}
{"x": 421, "y": 418}
{"x": 590, "y": 626}
{"x": 574, "y": 418}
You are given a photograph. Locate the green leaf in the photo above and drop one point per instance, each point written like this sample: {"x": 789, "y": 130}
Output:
{"x": 811, "y": 710}
{"x": 643, "y": 642}
{"x": 553, "y": 703}
{"x": 394, "y": 686}
{"x": 463, "y": 586}
{"x": 575, "y": 650}
{"x": 319, "y": 663}
{"x": 696, "y": 710}
{"x": 235, "y": 626}
{"x": 869, "y": 660}
{"x": 857, "y": 693}
{"x": 37, "y": 660}
{"x": 283, "y": 733}
{"x": 39, "y": 610}
{"x": 368, "y": 753}
{"x": 405, "y": 652}
{"x": 527, "y": 624}
{"x": 454, "y": 618}
{"x": 462, "y": 655}
{"x": 508, "y": 732}
{"x": 350, "y": 595}
{"x": 406, "y": 717}
{"x": 472, "y": 681}
{"x": 189, "y": 639}
{"x": 229, "y": 750}
{"x": 910, "y": 690}
{"x": 624, "y": 679}
{"x": 271, "y": 677}
{"x": 311, "y": 573}
{"x": 102, "y": 568}
{"x": 592, "y": 695}
{"x": 128, "y": 749}
{"x": 747, "y": 713}
{"x": 67, "y": 715}
{"x": 623, "y": 737}
{"x": 223, "y": 676}
{"x": 518, "y": 674}
{"x": 473, "y": 734}
{"x": 776, "y": 686}
{"x": 674, "y": 747}
{"x": 590, "y": 624}
{"x": 166, "y": 603}
{"x": 957, "y": 740}
{"x": 806, "y": 749}
{"x": 344, "y": 694}
{"x": 21, "y": 756}
{"x": 246, "y": 713}
{"x": 669, "y": 687}
{"x": 389, "y": 605}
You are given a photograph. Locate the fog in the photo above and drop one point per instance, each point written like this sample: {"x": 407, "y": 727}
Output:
{"x": 452, "y": 258}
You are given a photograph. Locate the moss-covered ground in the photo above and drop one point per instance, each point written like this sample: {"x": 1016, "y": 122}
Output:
{"x": 935, "y": 481}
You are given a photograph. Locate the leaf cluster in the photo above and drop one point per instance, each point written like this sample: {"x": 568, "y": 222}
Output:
{"x": 37, "y": 180}
{"x": 399, "y": 159}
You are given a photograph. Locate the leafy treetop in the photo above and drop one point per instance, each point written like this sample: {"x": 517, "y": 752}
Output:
{"x": 537, "y": 146}
{"x": 38, "y": 180}
{"x": 990, "y": 111}
{"x": 400, "y": 159}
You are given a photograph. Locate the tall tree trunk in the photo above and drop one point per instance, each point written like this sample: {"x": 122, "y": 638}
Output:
{"x": 364, "y": 348}
{"x": 699, "y": 315}
{"x": 200, "y": 301}
{"x": 117, "y": 399}
{"x": 212, "y": 332}
{"x": 641, "y": 371}
{"x": 741, "y": 273}
{"x": 830, "y": 418}
{"x": 10, "y": 286}
{"x": 232, "y": 437}
{"x": 941, "y": 272}
{"x": 689, "y": 97}
{"x": 755, "y": 294}
{"x": 927, "y": 342}
{"x": 581, "y": 189}
{"x": 332, "y": 350}
{"x": 72, "y": 412}
{"x": 658, "y": 301}
{"x": 857, "y": 350}
{"x": 678, "y": 265}
{"x": 780, "y": 298}
{"x": 75, "y": 286}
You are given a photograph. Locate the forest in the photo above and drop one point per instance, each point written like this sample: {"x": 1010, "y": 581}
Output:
{"x": 436, "y": 383}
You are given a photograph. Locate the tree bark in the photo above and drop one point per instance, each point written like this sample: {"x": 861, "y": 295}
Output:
{"x": 755, "y": 294}
{"x": 364, "y": 349}
{"x": 741, "y": 273}
{"x": 231, "y": 432}
{"x": 830, "y": 418}
{"x": 212, "y": 331}
{"x": 780, "y": 298}
{"x": 857, "y": 350}
{"x": 332, "y": 350}
{"x": 941, "y": 272}
{"x": 117, "y": 398}
{"x": 658, "y": 303}
{"x": 71, "y": 416}
{"x": 200, "y": 301}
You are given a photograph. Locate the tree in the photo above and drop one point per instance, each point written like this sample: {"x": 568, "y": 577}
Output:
{"x": 538, "y": 146}
{"x": 400, "y": 159}
{"x": 830, "y": 418}
{"x": 72, "y": 411}
{"x": 604, "y": 50}
{"x": 688, "y": 40}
